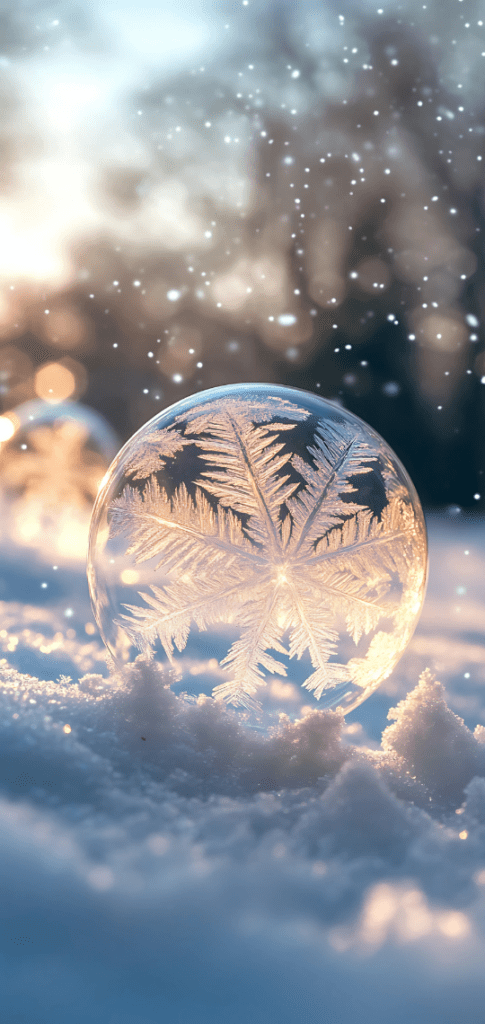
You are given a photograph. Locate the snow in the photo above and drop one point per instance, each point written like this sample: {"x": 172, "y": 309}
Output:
{"x": 160, "y": 862}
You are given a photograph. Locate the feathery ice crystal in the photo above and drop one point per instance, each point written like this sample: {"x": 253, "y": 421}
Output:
{"x": 267, "y": 544}
{"x": 51, "y": 467}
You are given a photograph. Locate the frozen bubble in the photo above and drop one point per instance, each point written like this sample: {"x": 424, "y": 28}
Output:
{"x": 264, "y": 544}
{"x": 50, "y": 471}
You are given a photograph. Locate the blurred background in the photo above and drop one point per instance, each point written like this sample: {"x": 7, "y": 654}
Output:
{"x": 232, "y": 190}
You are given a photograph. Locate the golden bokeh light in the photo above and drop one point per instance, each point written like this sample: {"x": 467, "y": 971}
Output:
{"x": 56, "y": 382}
{"x": 7, "y": 428}
{"x": 444, "y": 332}
{"x": 233, "y": 289}
{"x": 454, "y": 924}
{"x": 404, "y": 912}
{"x": 129, "y": 576}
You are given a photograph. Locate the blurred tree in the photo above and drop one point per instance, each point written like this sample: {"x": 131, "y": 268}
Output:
{"x": 306, "y": 206}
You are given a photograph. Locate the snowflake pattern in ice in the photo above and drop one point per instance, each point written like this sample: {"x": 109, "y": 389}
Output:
{"x": 56, "y": 468}
{"x": 50, "y": 472}
{"x": 248, "y": 522}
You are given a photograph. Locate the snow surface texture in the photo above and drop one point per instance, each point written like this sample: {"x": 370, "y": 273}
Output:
{"x": 160, "y": 864}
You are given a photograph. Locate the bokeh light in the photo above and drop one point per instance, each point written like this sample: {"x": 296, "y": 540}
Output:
{"x": 55, "y": 382}
{"x": 7, "y": 428}
{"x": 307, "y": 212}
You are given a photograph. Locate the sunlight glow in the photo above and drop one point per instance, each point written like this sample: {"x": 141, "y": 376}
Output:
{"x": 7, "y": 428}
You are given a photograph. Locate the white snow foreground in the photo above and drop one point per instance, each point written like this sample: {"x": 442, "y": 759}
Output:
{"x": 159, "y": 862}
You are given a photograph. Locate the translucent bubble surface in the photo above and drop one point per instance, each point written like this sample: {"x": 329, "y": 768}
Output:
{"x": 264, "y": 543}
{"x": 53, "y": 457}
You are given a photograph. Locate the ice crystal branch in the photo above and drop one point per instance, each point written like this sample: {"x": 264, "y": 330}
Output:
{"x": 266, "y": 541}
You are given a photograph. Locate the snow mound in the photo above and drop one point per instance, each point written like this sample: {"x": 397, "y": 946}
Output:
{"x": 156, "y": 854}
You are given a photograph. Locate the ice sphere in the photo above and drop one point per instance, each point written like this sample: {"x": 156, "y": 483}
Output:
{"x": 266, "y": 544}
{"x": 53, "y": 457}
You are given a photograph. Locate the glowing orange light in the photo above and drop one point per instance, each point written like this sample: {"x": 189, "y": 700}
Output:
{"x": 7, "y": 428}
{"x": 454, "y": 924}
{"x": 129, "y": 576}
{"x": 54, "y": 382}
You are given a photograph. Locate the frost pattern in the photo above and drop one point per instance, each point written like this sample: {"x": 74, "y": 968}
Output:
{"x": 282, "y": 559}
{"x": 158, "y": 446}
{"x": 58, "y": 469}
